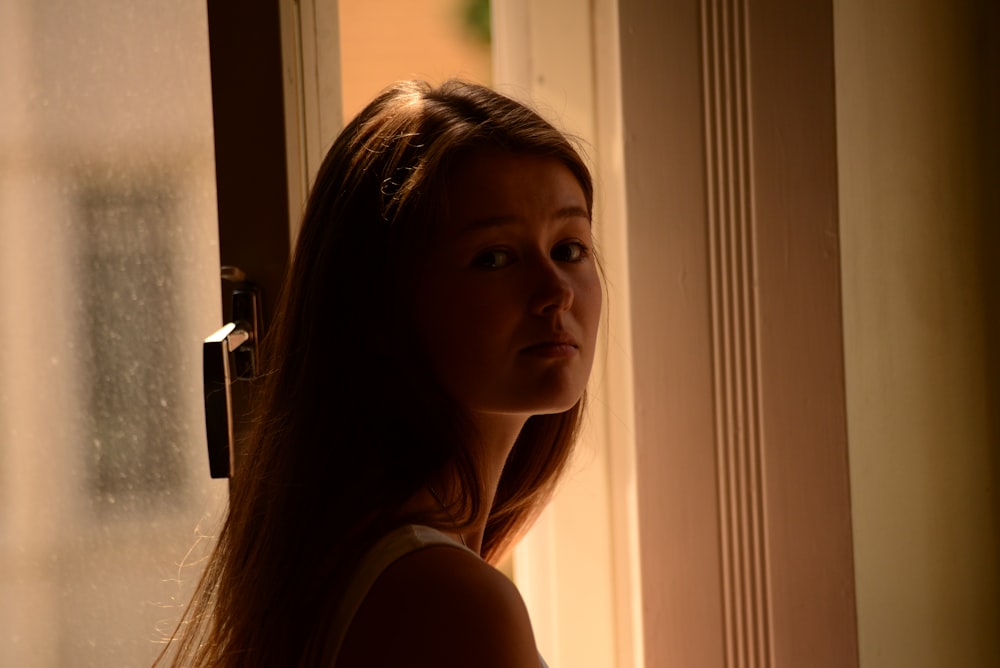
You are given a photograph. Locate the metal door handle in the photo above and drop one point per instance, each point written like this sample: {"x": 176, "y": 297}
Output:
{"x": 229, "y": 355}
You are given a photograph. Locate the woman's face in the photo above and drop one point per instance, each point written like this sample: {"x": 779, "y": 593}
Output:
{"x": 510, "y": 298}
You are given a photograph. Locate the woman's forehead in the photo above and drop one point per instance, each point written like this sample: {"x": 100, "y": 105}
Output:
{"x": 490, "y": 186}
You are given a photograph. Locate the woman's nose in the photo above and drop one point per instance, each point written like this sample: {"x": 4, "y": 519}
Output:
{"x": 553, "y": 291}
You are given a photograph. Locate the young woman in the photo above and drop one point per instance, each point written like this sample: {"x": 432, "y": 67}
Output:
{"x": 424, "y": 382}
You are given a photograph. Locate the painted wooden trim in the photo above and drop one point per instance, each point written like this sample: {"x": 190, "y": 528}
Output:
{"x": 733, "y": 289}
{"x": 804, "y": 417}
{"x": 742, "y": 480}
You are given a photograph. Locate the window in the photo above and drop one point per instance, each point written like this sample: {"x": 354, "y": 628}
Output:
{"x": 109, "y": 279}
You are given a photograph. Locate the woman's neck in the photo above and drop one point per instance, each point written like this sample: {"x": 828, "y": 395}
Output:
{"x": 497, "y": 434}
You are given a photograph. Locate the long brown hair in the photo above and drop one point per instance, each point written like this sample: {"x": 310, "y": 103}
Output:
{"x": 351, "y": 422}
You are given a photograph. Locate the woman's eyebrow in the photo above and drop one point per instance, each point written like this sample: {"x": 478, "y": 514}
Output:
{"x": 571, "y": 212}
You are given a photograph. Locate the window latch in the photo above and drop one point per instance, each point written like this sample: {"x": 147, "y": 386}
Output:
{"x": 229, "y": 362}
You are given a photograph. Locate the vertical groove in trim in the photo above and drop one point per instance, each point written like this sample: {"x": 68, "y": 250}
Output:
{"x": 733, "y": 279}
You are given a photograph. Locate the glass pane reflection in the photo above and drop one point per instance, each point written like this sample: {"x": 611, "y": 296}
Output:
{"x": 108, "y": 282}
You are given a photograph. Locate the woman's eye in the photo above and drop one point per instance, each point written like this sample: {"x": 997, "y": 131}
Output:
{"x": 572, "y": 251}
{"x": 492, "y": 259}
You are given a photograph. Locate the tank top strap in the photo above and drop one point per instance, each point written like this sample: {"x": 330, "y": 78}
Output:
{"x": 387, "y": 550}
{"x": 393, "y": 546}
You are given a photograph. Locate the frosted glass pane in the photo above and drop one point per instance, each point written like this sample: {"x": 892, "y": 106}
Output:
{"x": 108, "y": 283}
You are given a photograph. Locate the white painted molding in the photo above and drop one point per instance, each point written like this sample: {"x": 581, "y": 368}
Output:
{"x": 733, "y": 290}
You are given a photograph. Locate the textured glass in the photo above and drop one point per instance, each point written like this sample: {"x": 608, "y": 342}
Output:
{"x": 108, "y": 283}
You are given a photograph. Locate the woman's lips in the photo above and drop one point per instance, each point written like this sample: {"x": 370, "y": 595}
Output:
{"x": 552, "y": 349}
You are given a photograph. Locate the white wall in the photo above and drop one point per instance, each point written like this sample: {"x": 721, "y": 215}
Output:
{"x": 923, "y": 460}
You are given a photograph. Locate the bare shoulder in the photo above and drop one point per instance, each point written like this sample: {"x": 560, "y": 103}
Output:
{"x": 441, "y": 606}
